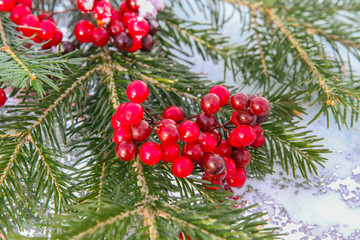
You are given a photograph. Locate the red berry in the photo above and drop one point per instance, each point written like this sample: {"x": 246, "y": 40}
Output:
{"x": 257, "y": 128}
{"x": 218, "y": 177}
{"x": 193, "y": 151}
{"x": 27, "y": 3}
{"x": 189, "y": 131}
{"x": 234, "y": 119}
{"x": 100, "y": 37}
{"x": 242, "y": 136}
{"x": 127, "y": 16}
{"x": 131, "y": 114}
{"x": 246, "y": 117}
{"x": 121, "y": 134}
{"x": 47, "y": 29}
{"x": 103, "y": 11}
{"x": 115, "y": 15}
{"x": 213, "y": 164}
{"x": 132, "y": 5}
{"x": 168, "y": 134}
{"x": 85, "y": 5}
{"x": 206, "y": 122}
{"x": 261, "y": 119}
{"x": 18, "y": 12}
{"x": 259, "y": 141}
{"x": 222, "y": 92}
{"x": 230, "y": 166}
{"x": 153, "y": 26}
{"x": 217, "y": 135}
{"x": 126, "y": 150}
{"x": 137, "y": 91}
{"x": 150, "y": 153}
{"x": 138, "y": 26}
{"x": 123, "y": 41}
{"x": 167, "y": 121}
{"x": 137, "y": 44}
{"x": 29, "y": 21}
{"x": 7, "y": 5}
{"x": 239, "y": 102}
{"x": 170, "y": 151}
{"x": 173, "y": 112}
{"x": 46, "y": 16}
{"x": 140, "y": 131}
{"x": 3, "y": 97}
{"x": 83, "y": 31}
{"x": 116, "y": 27}
{"x": 38, "y": 39}
{"x": 238, "y": 179}
{"x": 214, "y": 182}
{"x": 147, "y": 43}
{"x": 115, "y": 122}
{"x": 55, "y": 41}
{"x": 122, "y": 7}
{"x": 252, "y": 96}
{"x": 210, "y": 103}
{"x": 207, "y": 141}
{"x": 182, "y": 167}
{"x": 224, "y": 149}
{"x": 259, "y": 106}
{"x": 241, "y": 157}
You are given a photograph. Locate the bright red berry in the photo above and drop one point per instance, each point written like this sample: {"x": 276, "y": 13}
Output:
{"x": 213, "y": 164}
{"x": 246, "y": 117}
{"x": 173, "y": 112}
{"x": 193, "y": 151}
{"x": 167, "y": 121}
{"x": 3, "y": 97}
{"x": 239, "y": 102}
{"x": 140, "y": 131}
{"x": 238, "y": 179}
{"x": 170, "y": 151}
{"x": 27, "y": 3}
{"x": 121, "y": 134}
{"x": 259, "y": 141}
{"x": 103, "y": 11}
{"x": 207, "y": 141}
{"x": 47, "y": 29}
{"x": 7, "y": 5}
{"x": 83, "y": 31}
{"x": 116, "y": 27}
{"x": 29, "y": 21}
{"x": 126, "y": 150}
{"x": 206, "y": 122}
{"x": 138, "y": 26}
{"x": 168, "y": 134}
{"x": 100, "y": 37}
{"x": 189, "y": 131}
{"x": 132, "y": 5}
{"x": 123, "y": 41}
{"x": 128, "y": 16}
{"x": 230, "y": 166}
{"x": 18, "y": 12}
{"x": 116, "y": 15}
{"x": 218, "y": 177}
{"x": 150, "y": 153}
{"x": 122, "y": 7}
{"x": 56, "y": 40}
{"x": 241, "y": 157}
{"x": 115, "y": 122}
{"x": 242, "y": 136}
{"x": 182, "y": 167}
{"x": 137, "y": 91}
{"x": 85, "y": 5}
{"x": 222, "y": 92}
{"x": 259, "y": 106}
{"x": 224, "y": 149}
{"x": 131, "y": 114}
{"x": 137, "y": 44}
{"x": 234, "y": 119}
{"x": 210, "y": 103}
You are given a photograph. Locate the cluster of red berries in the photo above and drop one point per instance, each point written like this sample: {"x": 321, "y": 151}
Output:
{"x": 41, "y": 29}
{"x": 202, "y": 143}
{"x": 3, "y": 97}
{"x": 131, "y": 28}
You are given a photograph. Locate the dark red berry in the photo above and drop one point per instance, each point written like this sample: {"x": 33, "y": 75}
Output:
{"x": 246, "y": 117}
{"x": 56, "y": 40}
{"x": 67, "y": 47}
{"x": 222, "y": 92}
{"x": 182, "y": 167}
{"x": 115, "y": 122}
{"x": 116, "y": 27}
{"x": 126, "y": 150}
{"x": 18, "y": 12}
{"x": 123, "y": 41}
{"x": 257, "y": 128}
{"x": 238, "y": 179}
{"x": 138, "y": 26}
{"x": 147, "y": 43}
{"x": 121, "y": 134}
{"x": 83, "y": 31}
{"x": 137, "y": 43}
{"x": 259, "y": 141}
{"x": 140, "y": 131}
{"x": 3, "y": 97}
{"x": 189, "y": 131}
{"x": 218, "y": 177}
{"x": 234, "y": 119}
{"x": 261, "y": 119}
{"x": 239, "y": 102}
{"x": 213, "y": 163}
{"x": 224, "y": 149}
{"x": 217, "y": 135}
{"x": 210, "y": 103}
{"x": 173, "y": 112}
{"x": 206, "y": 122}
{"x": 150, "y": 153}
{"x": 168, "y": 134}
{"x": 241, "y": 157}
{"x": 170, "y": 151}
{"x": 103, "y": 11}
{"x": 153, "y": 26}
{"x": 131, "y": 114}
{"x": 27, "y": 3}
{"x": 29, "y": 21}
{"x": 193, "y": 151}
{"x": 214, "y": 182}
{"x": 132, "y": 5}
{"x": 47, "y": 29}
{"x": 85, "y": 5}
{"x": 137, "y": 91}
{"x": 230, "y": 166}
{"x": 7, "y": 5}
{"x": 100, "y": 37}
{"x": 242, "y": 136}
{"x": 259, "y": 106}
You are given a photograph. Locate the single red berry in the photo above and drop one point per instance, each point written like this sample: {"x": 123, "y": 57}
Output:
{"x": 189, "y": 131}
{"x": 122, "y": 7}
{"x": 137, "y": 91}
{"x": 147, "y": 43}
{"x": 85, "y": 5}
{"x": 137, "y": 44}
{"x": 173, "y": 112}
{"x": 123, "y": 41}
{"x": 153, "y": 26}
{"x": 234, "y": 119}
{"x": 222, "y": 92}
{"x": 230, "y": 166}
{"x": 115, "y": 121}
{"x": 100, "y": 37}
{"x": 27, "y": 3}
{"x": 181, "y": 236}
{"x": 167, "y": 121}
{"x": 259, "y": 106}
{"x": 131, "y": 114}
{"x": 150, "y": 153}
{"x": 217, "y": 135}
{"x": 242, "y": 136}
{"x": 46, "y": 16}
{"x": 207, "y": 141}
{"x": 182, "y": 167}
{"x": 224, "y": 149}
{"x": 115, "y": 15}
{"x": 128, "y": 16}
{"x": 206, "y": 122}
{"x": 239, "y": 101}
{"x": 138, "y": 26}
{"x": 103, "y": 11}
{"x": 259, "y": 141}
{"x": 246, "y": 117}
{"x": 168, "y": 134}
{"x": 238, "y": 179}
{"x": 7, "y": 5}
{"x": 170, "y": 151}
{"x": 261, "y": 119}
{"x": 241, "y": 157}
{"x": 121, "y": 134}
{"x": 257, "y": 128}
{"x": 29, "y": 21}
{"x": 218, "y": 177}
{"x": 210, "y": 103}
{"x": 116, "y": 27}
{"x": 126, "y": 150}
{"x": 56, "y": 40}
{"x": 193, "y": 151}
{"x": 214, "y": 182}
{"x": 67, "y": 47}
{"x": 213, "y": 163}
{"x": 3, "y": 97}
{"x": 47, "y": 29}
{"x": 18, "y": 12}
{"x": 83, "y": 31}
{"x": 132, "y": 5}
{"x": 38, "y": 39}
{"x": 140, "y": 131}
